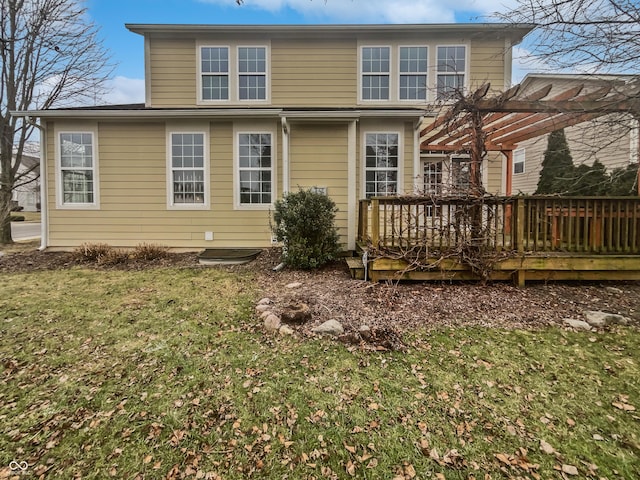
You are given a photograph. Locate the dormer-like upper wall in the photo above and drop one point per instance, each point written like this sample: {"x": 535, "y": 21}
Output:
{"x": 329, "y": 66}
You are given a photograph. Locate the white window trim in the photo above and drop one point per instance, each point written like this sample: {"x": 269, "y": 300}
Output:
{"x": 399, "y": 168}
{"x": 267, "y": 74}
{"x": 524, "y": 161}
{"x": 465, "y": 87}
{"x": 60, "y": 204}
{"x": 234, "y": 84}
{"x": 201, "y": 100}
{"x": 206, "y": 167}
{"x": 425, "y": 73}
{"x": 244, "y": 128}
{"x": 392, "y": 83}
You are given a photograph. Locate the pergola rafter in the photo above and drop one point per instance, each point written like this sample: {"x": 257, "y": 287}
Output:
{"x": 477, "y": 124}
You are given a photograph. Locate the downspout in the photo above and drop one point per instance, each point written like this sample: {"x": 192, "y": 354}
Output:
{"x": 44, "y": 199}
{"x": 416, "y": 154}
{"x": 285, "y": 155}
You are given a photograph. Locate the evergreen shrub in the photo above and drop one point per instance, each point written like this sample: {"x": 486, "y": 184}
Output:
{"x": 305, "y": 223}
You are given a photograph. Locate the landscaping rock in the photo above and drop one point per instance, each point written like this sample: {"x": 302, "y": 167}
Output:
{"x": 265, "y": 314}
{"x": 264, "y": 301}
{"x": 365, "y": 332}
{"x": 296, "y": 313}
{"x": 578, "y": 324}
{"x": 285, "y": 330}
{"x": 272, "y": 323}
{"x": 293, "y": 285}
{"x": 350, "y": 338}
{"x": 262, "y": 308}
{"x": 330, "y": 327}
{"x": 602, "y": 319}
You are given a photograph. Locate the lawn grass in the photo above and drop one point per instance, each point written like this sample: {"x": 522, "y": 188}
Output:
{"x": 166, "y": 374}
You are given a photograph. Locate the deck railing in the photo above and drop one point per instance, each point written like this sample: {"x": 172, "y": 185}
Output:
{"x": 522, "y": 223}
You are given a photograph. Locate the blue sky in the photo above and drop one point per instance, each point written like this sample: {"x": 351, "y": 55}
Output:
{"x": 127, "y": 48}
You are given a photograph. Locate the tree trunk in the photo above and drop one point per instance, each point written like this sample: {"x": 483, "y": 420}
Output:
{"x": 5, "y": 216}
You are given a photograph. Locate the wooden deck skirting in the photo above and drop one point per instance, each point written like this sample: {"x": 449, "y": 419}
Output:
{"x": 521, "y": 238}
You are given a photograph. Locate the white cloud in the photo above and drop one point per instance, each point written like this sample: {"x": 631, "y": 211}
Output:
{"x": 379, "y": 11}
{"x": 123, "y": 90}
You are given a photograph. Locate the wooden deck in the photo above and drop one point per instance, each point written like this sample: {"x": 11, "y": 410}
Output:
{"x": 499, "y": 238}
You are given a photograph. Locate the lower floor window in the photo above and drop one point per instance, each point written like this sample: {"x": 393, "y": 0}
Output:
{"x": 381, "y": 164}
{"x": 77, "y": 165}
{"x": 255, "y": 168}
{"x": 188, "y": 168}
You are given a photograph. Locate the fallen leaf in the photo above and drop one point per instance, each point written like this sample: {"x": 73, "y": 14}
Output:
{"x": 597, "y": 437}
{"x": 350, "y": 448}
{"x": 569, "y": 469}
{"x": 624, "y": 406}
{"x": 546, "y": 448}
{"x": 351, "y": 468}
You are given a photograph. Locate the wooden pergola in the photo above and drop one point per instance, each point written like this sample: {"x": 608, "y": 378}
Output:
{"x": 477, "y": 123}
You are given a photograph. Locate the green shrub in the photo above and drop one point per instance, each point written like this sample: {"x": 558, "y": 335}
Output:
{"x": 304, "y": 222}
{"x": 17, "y": 218}
{"x": 149, "y": 251}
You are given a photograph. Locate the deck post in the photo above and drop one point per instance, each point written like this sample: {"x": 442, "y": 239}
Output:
{"x": 520, "y": 225}
{"x": 375, "y": 222}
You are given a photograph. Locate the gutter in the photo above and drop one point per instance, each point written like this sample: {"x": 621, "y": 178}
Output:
{"x": 156, "y": 113}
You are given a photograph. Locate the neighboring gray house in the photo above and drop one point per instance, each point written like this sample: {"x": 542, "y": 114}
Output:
{"x": 612, "y": 139}
{"x": 27, "y": 191}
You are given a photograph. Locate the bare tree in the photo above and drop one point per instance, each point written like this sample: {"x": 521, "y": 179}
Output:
{"x": 588, "y": 36}
{"x": 50, "y": 56}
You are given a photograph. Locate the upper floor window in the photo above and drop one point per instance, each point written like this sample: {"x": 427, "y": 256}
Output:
{"x": 518, "y": 161}
{"x": 214, "y": 65}
{"x": 381, "y": 164}
{"x": 77, "y": 169}
{"x": 252, "y": 73}
{"x": 188, "y": 178}
{"x": 413, "y": 73}
{"x": 376, "y": 65}
{"x": 255, "y": 168}
{"x": 451, "y": 70}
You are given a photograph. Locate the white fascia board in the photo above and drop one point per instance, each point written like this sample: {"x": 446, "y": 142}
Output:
{"x": 178, "y": 113}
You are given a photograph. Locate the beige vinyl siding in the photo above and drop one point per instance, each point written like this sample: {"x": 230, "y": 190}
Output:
{"x": 314, "y": 73}
{"x": 133, "y": 196}
{"x": 318, "y": 158}
{"x": 407, "y": 151}
{"x": 600, "y": 139}
{"x": 493, "y": 164}
{"x": 487, "y": 64}
{"x": 173, "y": 72}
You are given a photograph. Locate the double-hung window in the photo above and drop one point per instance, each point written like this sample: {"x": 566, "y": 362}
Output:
{"x": 451, "y": 70}
{"x": 381, "y": 164}
{"x": 252, "y": 73}
{"x": 413, "y": 73}
{"x": 188, "y": 170}
{"x": 255, "y": 168}
{"x": 518, "y": 161}
{"x": 77, "y": 169}
{"x": 214, "y": 67}
{"x": 376, "y": 64}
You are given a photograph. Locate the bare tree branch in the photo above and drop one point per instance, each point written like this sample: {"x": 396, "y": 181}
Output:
{"x": 50, "y": 56}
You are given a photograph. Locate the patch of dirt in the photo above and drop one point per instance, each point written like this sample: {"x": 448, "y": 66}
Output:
{"x": 332, "y": 294}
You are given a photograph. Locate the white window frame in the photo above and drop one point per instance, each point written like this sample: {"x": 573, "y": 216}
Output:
{"x": 266, "y": 74}
{"x": 398, "y": 168}
{"x": 234, "y": 83}
{"x": 438, "y": 73}
{"x": 413, "y": 74}
{"x": 171, "y": 205}
{"x": 201, "y": 74}
{"x": 60, "y": 203}
{"x": 253, "y": 129}
{"x": 362, "y": 74}
{"x": 516, "y": 153}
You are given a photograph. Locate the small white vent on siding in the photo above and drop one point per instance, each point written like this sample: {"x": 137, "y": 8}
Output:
{"x": 320, "y": 190}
